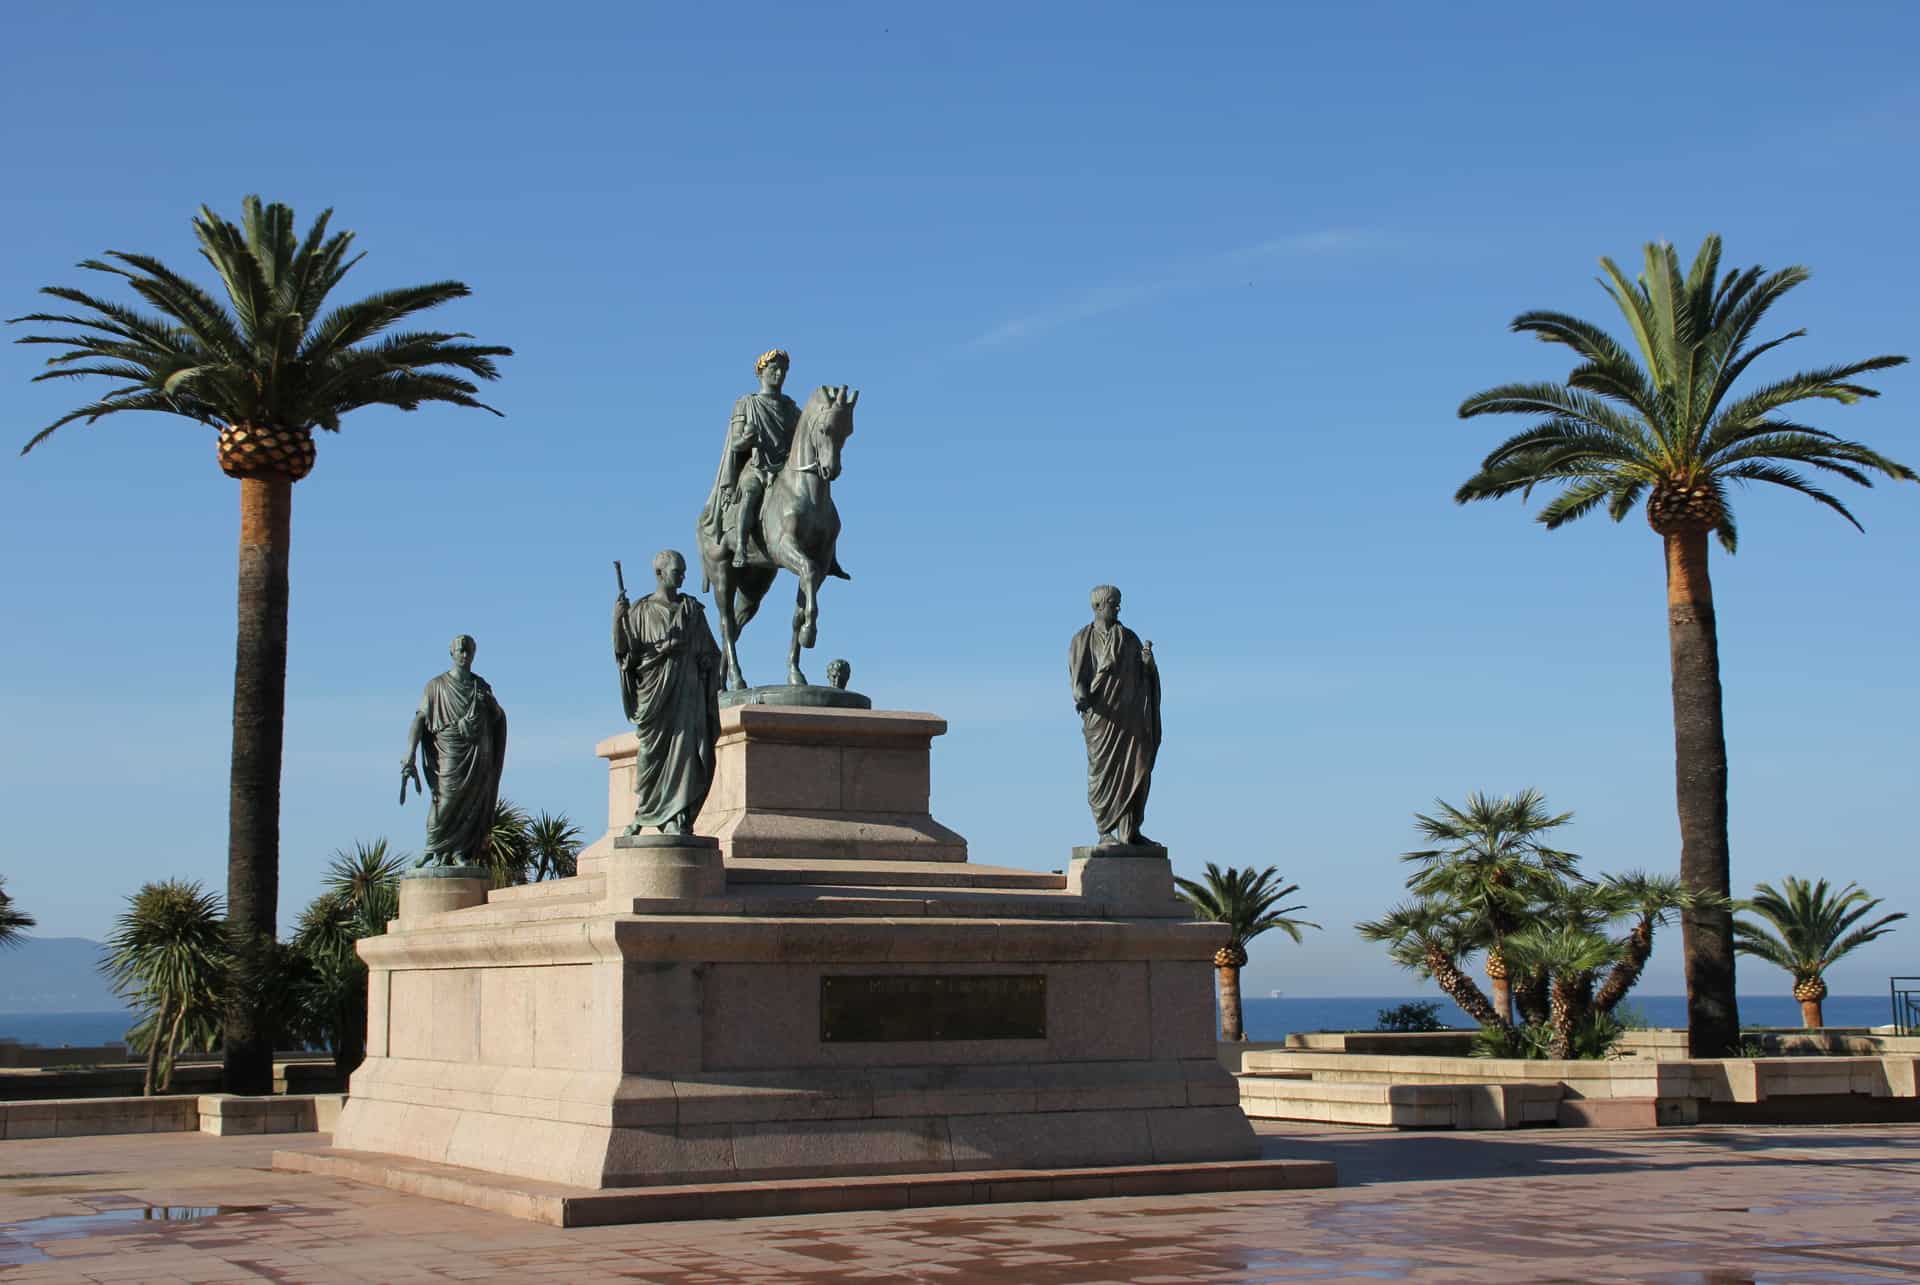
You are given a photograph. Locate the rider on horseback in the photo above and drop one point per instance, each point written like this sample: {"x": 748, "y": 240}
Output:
{"x": 758, "y": 439}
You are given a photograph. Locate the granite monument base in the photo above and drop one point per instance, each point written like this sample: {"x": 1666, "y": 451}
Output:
{"x": 684, "y": 1013}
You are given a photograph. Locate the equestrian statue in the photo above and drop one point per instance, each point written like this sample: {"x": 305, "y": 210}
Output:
{"x": 772, "y": 506}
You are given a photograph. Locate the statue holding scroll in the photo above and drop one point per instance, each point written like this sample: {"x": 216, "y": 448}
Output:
{"x": 1116, "y": 689}
{"x": 670, "y": 678}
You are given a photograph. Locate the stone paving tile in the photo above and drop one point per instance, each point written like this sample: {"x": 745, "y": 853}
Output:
{"x": 1833, "y": 1206}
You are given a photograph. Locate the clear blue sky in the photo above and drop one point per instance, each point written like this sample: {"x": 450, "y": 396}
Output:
{"x": 1182, "y": 297}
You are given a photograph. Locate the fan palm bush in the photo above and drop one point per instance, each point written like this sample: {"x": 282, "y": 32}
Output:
{"x": 1661, "y": 421}
{"x": 14, "y": 921}
{"x": 553, "y": 847}
{"x": 1248, "y": 902}
{"x": 1560, "y": 931}
{"x": 509, "y": 850}
{"x": 168, "y": 956}
{"x": 362, "y": 895}
{"x": 264, "y": 368}
{"x": 1491, "y": 863}
{"x": 1812, "y": 926}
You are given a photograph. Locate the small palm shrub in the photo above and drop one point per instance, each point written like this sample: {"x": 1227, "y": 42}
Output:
{"x": 168, "y": 956}
{"x": 1558, "y": 934}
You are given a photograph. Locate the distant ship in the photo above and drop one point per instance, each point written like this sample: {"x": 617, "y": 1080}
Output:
{"x": 1273, "y": 994}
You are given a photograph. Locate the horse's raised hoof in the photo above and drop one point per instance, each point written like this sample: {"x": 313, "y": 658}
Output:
{"x": 808, "y": 635}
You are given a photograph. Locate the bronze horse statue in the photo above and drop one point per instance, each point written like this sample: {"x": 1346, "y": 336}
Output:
{"x": 798, "y": 529}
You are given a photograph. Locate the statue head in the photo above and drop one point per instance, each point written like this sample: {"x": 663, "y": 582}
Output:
{"x": 462, "y": 649}
{"x": 772, "y": 369}
{"x": 839, "y": 672}
{"x": 1106, "y": 604}
{"x": 669, "y": 569}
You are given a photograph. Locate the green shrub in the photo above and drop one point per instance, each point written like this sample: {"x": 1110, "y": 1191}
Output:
{"x": 1418, "y": 1015}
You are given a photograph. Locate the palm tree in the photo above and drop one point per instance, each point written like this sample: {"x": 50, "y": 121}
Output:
{"x": 370, "y": 868}
{"x": 1429, "y": 936}
{"x": 332, "y": 984}
{"x": 553, "y": 846}
{"x": 13, "y": 921}
{"x": 1652, "y": 900}
{"x": 1667, "y": 427}
{"x": 169, "y": 955}
{"x": 1811, "y": 932}
{"x": 509, "y": 854}
{"x": 1492, "y": 866}
{"x": 1247, "y": 901}
{"x": 264, "y": 372}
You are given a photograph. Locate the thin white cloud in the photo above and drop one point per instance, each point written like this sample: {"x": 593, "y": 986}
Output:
{"x": 1212, "y": 269}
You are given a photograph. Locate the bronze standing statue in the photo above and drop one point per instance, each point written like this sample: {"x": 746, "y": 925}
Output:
{"x": 669, "y": 682}
{"x": 772, "y": 506}
{"x": 1116, "y": 689}
{"x": 460, "y": 733}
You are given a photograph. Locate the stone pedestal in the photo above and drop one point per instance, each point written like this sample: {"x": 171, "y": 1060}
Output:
{"x": 663, "y": 867}
{"x": 434, "y": 890}
{"x": 799, "y": 782}
{"x": 1126, "y": 880}
{"x": 849, "y": 1001}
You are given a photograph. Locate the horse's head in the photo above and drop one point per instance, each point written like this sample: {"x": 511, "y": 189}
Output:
{"x": 825, "y": 425}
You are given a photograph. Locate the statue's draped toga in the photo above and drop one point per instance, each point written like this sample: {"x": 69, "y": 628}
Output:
{"x": 463, "y": 747}
{"x": 670, "y": 680}
{"x": 1121, "y": 722}
{"x": 759, "y": 438}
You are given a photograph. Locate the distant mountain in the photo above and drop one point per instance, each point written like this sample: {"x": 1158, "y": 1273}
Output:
{"x": 54, "y": 975}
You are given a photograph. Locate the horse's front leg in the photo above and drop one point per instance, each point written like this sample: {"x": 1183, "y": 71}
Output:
{"x": 729, "y": 628}
{"x": 800, "y": 627}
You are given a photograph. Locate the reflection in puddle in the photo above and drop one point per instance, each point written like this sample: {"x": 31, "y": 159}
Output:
{"x": 19, "y": 1241}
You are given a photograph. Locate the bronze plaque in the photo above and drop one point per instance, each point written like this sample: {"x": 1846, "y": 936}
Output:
{"x": 994, "y": 1006}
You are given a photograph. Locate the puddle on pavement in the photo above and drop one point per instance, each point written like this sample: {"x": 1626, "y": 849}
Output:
{"x": 19, "y": 1242}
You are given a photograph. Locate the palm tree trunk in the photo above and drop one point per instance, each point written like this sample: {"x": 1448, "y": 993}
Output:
{"x": 173, "y": 1048}
{"x": 1700, "y": 790}
{"x": 1460, "y": 989}
{"x": 259, "y": 715}
{"x": 1230, "y": 1025}
{"x": 1812, "y": 1014}
{"x": 153, "y": 1051}
{"x": 1500, "y": 981}
{"x": 1561, "y": 1018}
{"x": 1530, "y": 997}
{"x": 1622, "y": 977}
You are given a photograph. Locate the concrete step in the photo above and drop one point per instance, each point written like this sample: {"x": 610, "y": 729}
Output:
{"x": 888, "y": 874}
{"x": 1401, "y": 1106}
{"x": 962, "y": 903}
{"x": 580, "y": 888}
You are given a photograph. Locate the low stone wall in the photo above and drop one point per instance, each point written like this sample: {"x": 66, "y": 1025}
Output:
{"x": 216, "y": 1113}
{"x": 313, "y": 1074}
{"x": 13, "y": 1054}
{"x": 1290, "y": 1084}
{"x": 1400, "y": 1043}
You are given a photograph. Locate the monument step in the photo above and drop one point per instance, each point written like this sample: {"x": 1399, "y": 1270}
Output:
{"x": 889, "y": 874}
{"x": 588, "y": 887}
{"x": 980, "y": 903}
{"x": 563, "y": 1206}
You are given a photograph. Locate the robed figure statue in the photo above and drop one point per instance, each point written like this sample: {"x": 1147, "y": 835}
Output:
{"x": 460, "y": 734}
{"x": 1116, "y": 689}
{"x": 670, "y": 678}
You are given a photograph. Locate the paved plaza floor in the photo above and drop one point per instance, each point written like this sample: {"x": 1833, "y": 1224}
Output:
{"x": 1703, "y": 1206}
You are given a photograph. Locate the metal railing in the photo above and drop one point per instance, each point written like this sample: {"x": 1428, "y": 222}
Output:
{"x": 1905, "y": 992}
